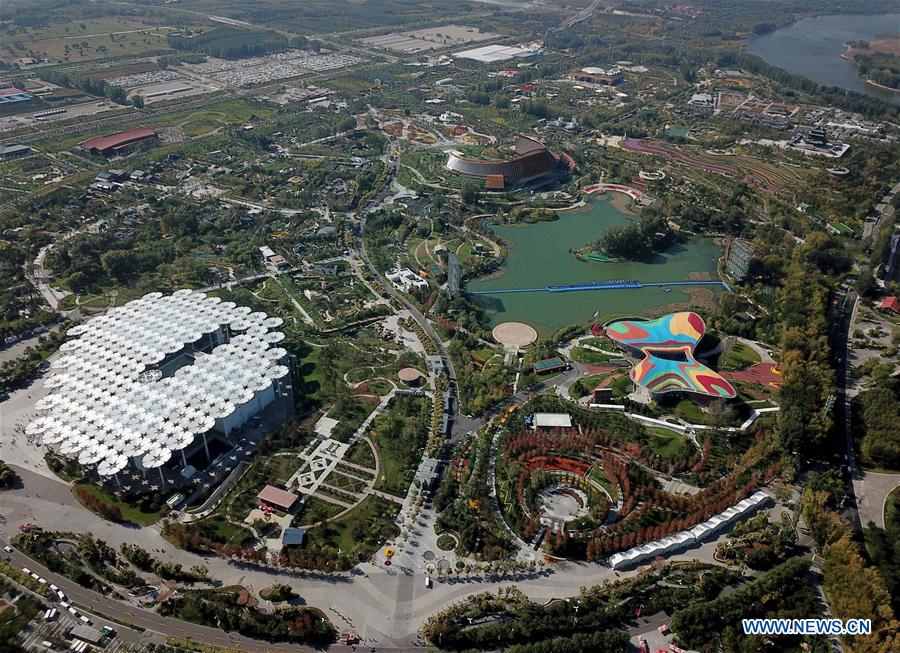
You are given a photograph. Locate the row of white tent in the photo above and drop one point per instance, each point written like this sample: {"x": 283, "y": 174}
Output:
{"x": 695, "y": 536}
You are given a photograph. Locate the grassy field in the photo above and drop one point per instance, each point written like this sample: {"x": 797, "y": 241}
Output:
{"x": 361, "y": 454}
{"x": 738, "y": 355}
{"x": 228, "y": 112}
{"x": 130, "y": 512}
{"x": 589, "y": 357}
{"x": 892, "y": 508}
{"x": 598, "y": 476}
{"x": 668, "y": 444}
{"x": 363, "y": 528}
{"x": 283, "y": 467}
{"x": 85, "y": 40}
{"x": 687, "y": 410}
{"x": 312, "y": 374}
{"x": 587, "y": 382}
{"x": 315, "y": 510}
{"x": 399, "y": 441}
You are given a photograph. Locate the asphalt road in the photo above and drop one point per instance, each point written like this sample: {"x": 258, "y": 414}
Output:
{"x": 842, "y": 412}
{"x": 89, "y": 602}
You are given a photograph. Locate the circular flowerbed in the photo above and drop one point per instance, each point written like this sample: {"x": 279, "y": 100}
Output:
{"x": 447, "y": 542}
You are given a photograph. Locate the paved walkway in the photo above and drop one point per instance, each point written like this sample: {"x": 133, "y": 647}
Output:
{"x": 764, "y": 374}
{"x": 871, "y": 490}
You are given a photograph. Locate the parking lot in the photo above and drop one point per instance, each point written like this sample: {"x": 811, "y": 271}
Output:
{"x": 282, "y": 65}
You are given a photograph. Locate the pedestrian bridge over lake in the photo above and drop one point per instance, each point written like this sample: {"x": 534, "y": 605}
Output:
{"x": 617, "y": 284}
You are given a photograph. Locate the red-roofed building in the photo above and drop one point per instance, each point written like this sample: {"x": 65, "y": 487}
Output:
{"x": 277, "y": 498}
{"x": 119, "y": 143}
{"x": 531, "y": 161}
{"x": 890, "y": 304}
{"x": 494, "y": 182}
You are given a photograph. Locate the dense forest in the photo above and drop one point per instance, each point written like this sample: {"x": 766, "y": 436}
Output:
{"x": 881, "y": 423}
{"x": 881, "y": 68}
{"x": 232, "y": 43}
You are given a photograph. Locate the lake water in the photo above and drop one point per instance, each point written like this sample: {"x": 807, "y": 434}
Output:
{"x": 813, "y": 47}
{"x": 539, "y": 256}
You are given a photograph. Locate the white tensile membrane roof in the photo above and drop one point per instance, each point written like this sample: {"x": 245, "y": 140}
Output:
{"x": 103, "y": 409}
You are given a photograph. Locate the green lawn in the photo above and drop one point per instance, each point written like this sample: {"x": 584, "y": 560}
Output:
{"x": 589, "y": 357}
{"x": 667, "y": 444}
{"x": 379, "y": 387}
{"x": 598, "y": 476}
{"x": 688, "y": 410}
{"x": 130, "y": 512}
{"x": 892, "y": 508}
{"x": 738, "y": 355}
{"x": 315, "y": 510}
{"x": 345, "y": 482}
{"x": 622, "y": 386}
{"x": 312, "y": 374}
{"x": 602, "y": 343}
{"x": 401, "y": 434}
{"x": 362, "y": 530}
{"x": 283, "y": 467}
{"x": 361, "y": 454}
{"x": 584, "y": 385}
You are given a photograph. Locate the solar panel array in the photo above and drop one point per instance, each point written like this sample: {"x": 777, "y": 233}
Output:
{"x": 106, "y": 407}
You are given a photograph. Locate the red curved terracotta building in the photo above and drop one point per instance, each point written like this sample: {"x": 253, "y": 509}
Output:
{"x": 119, "y": 143}
{"x": 531, "y": 161}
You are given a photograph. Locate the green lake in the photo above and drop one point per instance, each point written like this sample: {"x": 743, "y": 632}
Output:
{"x": 539, "y": 256}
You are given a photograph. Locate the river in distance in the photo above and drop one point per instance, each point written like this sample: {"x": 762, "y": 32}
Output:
{"x": 812, "y": 47}
{"x": 538, "y": 256}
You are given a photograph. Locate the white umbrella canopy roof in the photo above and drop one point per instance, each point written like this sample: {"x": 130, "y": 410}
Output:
{"x": 108, "y": 402}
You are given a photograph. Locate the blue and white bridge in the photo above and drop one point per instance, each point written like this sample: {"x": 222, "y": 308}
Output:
{"x": 616, "y": 284}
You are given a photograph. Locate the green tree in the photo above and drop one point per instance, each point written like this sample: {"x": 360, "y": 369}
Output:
{"x": 468, "y": 192}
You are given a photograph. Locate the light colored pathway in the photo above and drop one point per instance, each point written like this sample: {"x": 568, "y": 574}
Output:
{"x": 871, "y": 490}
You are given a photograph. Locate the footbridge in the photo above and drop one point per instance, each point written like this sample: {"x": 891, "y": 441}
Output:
{"x": 618, "y": 284}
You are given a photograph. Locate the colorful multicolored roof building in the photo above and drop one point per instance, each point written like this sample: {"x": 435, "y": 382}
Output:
{"x": 668, "y": 364}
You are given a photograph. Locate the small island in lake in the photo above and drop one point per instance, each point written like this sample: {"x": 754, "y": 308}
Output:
{"x": 635, "y": 241}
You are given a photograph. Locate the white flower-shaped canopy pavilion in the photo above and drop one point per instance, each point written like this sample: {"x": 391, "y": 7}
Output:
{"x": 108, "y": 404}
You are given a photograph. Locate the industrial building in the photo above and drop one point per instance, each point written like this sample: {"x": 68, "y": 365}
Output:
{"x": 12, "y": 150}
{"x": 495, "y": 53}
{"x": 12, "y": 95}
{"x": 595, "y": 75}
{"x": 120, "y": 143}
{"x": 160, "y": 375}
{"x": 531, "y": 161}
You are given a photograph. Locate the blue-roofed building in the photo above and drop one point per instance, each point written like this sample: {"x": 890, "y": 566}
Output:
{"x": 293, "y": 536}
{"x": 12, "y": 94}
